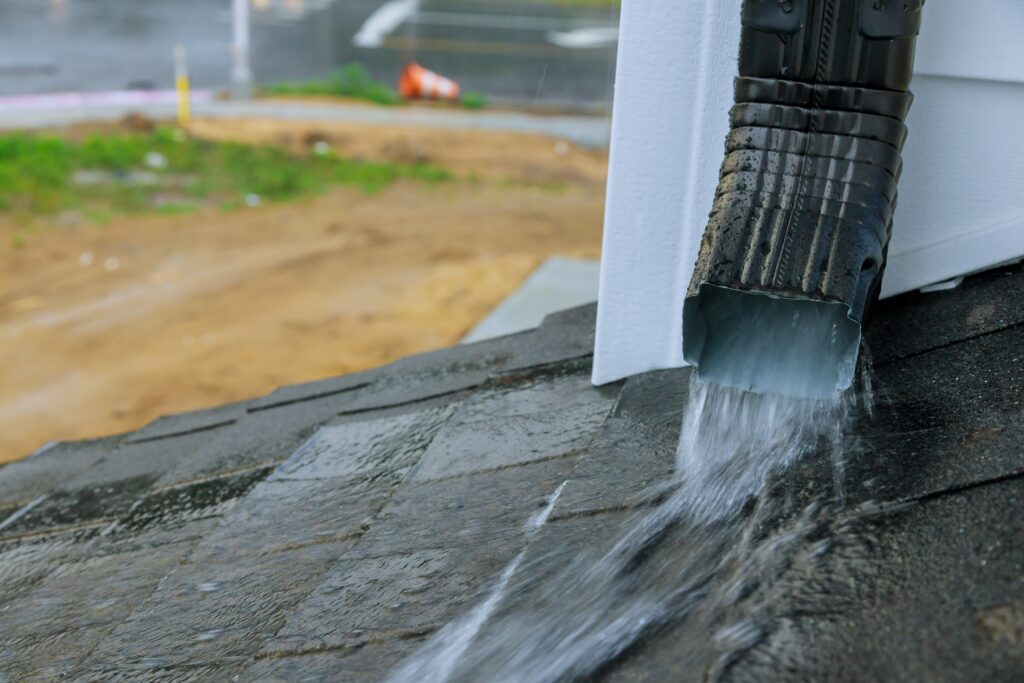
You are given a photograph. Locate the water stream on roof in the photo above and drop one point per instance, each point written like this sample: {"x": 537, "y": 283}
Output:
{"x": 450, "y": 643}
{"x": 539, "y": 625}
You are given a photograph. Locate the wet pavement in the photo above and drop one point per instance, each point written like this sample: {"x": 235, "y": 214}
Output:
{"x": 585, "y": 130}
{"x": 324, "y": 532}
{"x": 514, "y": 49}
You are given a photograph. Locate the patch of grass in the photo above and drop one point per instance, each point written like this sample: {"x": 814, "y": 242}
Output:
{"x": 175, "y": 209}
{"x": 474, "y": 100}
{"x": 33, "y": 173}
{"x": 168, "y": 172}
{"x": 352, "y": 81}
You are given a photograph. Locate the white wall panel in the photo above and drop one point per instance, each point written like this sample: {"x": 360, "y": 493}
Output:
{"x": 672, "y": 91}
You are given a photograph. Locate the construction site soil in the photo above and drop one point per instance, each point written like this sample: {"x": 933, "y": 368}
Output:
{"x": 105, "y": 327}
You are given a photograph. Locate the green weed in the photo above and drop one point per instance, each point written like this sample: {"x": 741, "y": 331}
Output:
{"x": 351, "y": 81}
{"x": 167, "y": 172}
{"x": 474, "y": 101}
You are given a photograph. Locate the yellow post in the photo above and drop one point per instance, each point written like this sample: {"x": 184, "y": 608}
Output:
{"x": 181, "y": 85}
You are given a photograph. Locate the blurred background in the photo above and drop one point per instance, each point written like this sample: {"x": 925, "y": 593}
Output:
{"x": 203, "y": 200}
{"x": 559, "y": 52}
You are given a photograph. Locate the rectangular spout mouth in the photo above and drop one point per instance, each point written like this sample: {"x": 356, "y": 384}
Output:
{"x": 765, "y": 343}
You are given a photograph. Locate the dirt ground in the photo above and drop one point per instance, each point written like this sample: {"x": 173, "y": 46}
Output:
{"x": 104, "y": 328}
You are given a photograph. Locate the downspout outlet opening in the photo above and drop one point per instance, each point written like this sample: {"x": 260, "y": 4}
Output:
{"x": 764, "y": 343}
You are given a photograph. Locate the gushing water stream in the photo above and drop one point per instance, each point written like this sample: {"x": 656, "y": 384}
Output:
{"x": 566, "y": 626}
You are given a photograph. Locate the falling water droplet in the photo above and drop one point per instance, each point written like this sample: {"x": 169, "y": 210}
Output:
{"x": 212, "y": 634}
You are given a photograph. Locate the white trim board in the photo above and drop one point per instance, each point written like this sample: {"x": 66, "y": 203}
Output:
{"x": 961, "y": 200}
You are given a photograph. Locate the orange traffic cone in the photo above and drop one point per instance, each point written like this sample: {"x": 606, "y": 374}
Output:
{"x": 419, "y": 83}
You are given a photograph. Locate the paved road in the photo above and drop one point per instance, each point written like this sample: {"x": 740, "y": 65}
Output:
{"x": 589, "y": 131}
{"x": 515, "y": 49}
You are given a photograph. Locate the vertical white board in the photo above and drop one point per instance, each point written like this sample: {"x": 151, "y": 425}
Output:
{"x": 673, "y": 89}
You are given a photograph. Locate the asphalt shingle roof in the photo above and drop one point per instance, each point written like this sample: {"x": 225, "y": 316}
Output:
{"x": 325, "y": 531}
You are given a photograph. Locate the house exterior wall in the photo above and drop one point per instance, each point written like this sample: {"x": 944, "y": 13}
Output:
{"x": 961, "y": 206}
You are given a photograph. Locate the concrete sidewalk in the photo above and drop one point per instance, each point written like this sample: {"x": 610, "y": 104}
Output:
{"x": 559, "y": 284}
{"x": 589, "y": 131}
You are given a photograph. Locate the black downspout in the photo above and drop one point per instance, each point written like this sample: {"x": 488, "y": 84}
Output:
{"x": 792, "y": 257}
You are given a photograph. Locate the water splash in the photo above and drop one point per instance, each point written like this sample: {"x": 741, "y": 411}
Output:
{"x": 445, "y": 649}
{"x": 567, "y": 626}
{"x": 732, "y": 440}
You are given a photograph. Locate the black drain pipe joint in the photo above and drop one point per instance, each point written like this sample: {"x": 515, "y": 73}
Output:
{"x": 793, "y": 254}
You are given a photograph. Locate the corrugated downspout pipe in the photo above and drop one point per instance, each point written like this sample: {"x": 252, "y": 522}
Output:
{"x": 794, "y": 251}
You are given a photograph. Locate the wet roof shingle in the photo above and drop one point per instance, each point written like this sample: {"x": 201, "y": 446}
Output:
{"x": 324, "y": 531}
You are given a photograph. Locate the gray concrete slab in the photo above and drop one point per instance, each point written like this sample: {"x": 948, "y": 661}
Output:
{"x": 566, "y": 335}
{"x": 558, "y": 284}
